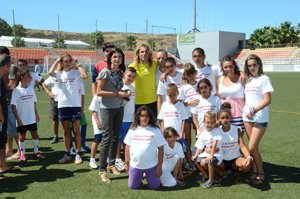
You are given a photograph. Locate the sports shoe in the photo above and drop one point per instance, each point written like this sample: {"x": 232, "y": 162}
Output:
{"x": 119, "y": 164}
{"x": 207, "y": 185}
{"x": 85, "y": 149}
{"x": 22, "y": 157}
{"x": 39, "y": 155}
{"x": 72, "y": 151}
{"x": 54, "y": 140}
{"x": 93, "y": 163}
{"x": 78, "y": 159}
{"x": 65, "y": 159}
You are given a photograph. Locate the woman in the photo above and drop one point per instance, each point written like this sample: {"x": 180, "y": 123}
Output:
{"x": 145, "y": 81}
{"x": 258, "y": 91}
{"x": 109, "y": 85}
{"x": 231, "y": 90}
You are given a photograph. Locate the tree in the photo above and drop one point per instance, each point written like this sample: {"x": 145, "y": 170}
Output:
{"x": 20, "y": 30}
{"x": 59, "y": 42}
{"x": 96, "y": 40}
{"x": 18, "y": 42}
{"x": 152, "y": 44}
{"x": 287, "y": 33}
{"x": 131, "y": 42}
{"x": 5, "y": 28}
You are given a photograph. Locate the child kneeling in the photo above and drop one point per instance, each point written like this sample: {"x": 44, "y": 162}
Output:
{"x": 144, "y": 149}
{"x": 173, "y": 156}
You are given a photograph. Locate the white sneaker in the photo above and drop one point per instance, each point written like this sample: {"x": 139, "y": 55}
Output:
{"x": 119, "y": 164}
{"x": 78, "y": 159}
{"x": 93, "y": 163}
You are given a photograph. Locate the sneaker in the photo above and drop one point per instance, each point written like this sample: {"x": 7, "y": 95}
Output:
{"x": 119, "y": 164}
{"x": 39, "y": 155}
{"x": 72, "y": 151}
{"x": 65, "y": 159}
{"x": 85, "y": 149}
{"x": 93, "y": 163}
{"x": 78, "y": 159}
{"x": 22, "y": 158}
{"x": 54, "y": 140}
{"x": 207, "y": 185}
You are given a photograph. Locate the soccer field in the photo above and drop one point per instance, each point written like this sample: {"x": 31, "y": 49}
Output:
{"x": 280, "y": 151}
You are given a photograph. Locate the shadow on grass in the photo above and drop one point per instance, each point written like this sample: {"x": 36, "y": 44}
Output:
{"x": 21, "y": 180}
{"x": 273, "y": 174}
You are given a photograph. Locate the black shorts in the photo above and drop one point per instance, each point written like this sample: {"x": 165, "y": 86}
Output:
{"x": 28, "y": 127}
{"x": 53, "y": 114}
{"x": 3, "y": 138}
{"x": 151, "y": 106}
{"x": 229, "y": 164}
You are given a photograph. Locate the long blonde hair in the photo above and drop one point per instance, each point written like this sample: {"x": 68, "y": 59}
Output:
{"x": 137, "y": 52}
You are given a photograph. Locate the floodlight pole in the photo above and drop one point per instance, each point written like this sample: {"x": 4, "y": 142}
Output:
{"x": 195, "y": 20}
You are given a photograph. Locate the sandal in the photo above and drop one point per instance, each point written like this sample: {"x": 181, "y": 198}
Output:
{"x": 113, "y": 169}
{"x": 260, "y": 179}
{"x": 180, "y": 183}
{"x": 11, "y": 169}
{"x": 104, "y": 178}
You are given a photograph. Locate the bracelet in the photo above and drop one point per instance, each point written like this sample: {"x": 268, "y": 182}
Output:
{"x": 117, "y": 94}
{"x": 250, "y": 157}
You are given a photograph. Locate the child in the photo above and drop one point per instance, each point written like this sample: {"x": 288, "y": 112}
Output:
{"x": 96, "y": 120}
{"x": 189, "y": 94}
{"x": 129, "y": 109}
{"x": 173, "y": 156}
{"x": 173, "y": 113}
{"x": 207, "y": 103}
{"x": 69, "y": 102}
{"x": 52, "y": 82}
{"x": 144, "y": 150}
{"x": 24, "y": 108}
{"x": 173, "y": 76}
{"x": 210, "y": 138}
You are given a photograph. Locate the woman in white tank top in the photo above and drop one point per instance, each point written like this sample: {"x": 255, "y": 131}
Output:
{"x": 231, "y": 90}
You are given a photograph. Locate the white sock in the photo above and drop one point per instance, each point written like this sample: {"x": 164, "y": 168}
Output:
{"x": 22, "y": 147}
{"x": 92, "y": 159}
{"x": 35, "y": 145}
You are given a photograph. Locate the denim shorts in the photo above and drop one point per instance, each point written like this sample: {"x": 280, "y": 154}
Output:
{"x": 261, "y": 124}
{"x": 124, "y": 129}
{"x": 11, "y": 123}
{"x": 183, "y": 144}
{"x": 97, "y": 138}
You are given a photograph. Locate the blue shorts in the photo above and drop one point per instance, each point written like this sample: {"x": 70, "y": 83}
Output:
{"x": 261, "y": 124}
{"x": 97, "y": 138}
{"x": 124, "y": 129}
{"x": 189, "y": 120}
{"x": 69, "y": 113}
{"x": 183, "y": 144}
{"x": 11, "y": 123}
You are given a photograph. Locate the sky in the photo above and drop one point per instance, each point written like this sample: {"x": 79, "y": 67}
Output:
{"x": 163, "y": 16}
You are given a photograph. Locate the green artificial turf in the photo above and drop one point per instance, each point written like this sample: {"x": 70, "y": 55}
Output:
{"x": 279, "y": 147}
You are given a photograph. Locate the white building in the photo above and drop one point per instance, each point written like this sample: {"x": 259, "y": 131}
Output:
{"x": 41, "y": 43}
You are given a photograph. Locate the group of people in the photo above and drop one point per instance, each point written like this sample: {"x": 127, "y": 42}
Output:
{"x": 149, "y": 109}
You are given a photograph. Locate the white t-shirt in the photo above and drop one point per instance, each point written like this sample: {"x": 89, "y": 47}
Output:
{"x": 95, "y": 107}
{"x": 37, "y": 69}
{"x": 171, "y": 152}
{"x": 210, "y": 72}
{"x": 129, "y": 107}
{"x": 35, "y": 78}
{"x": 24, "y": 99}
{"x": 230, "y": 143}
{"x": 143, "y": 142}
{"x": 213, "y": 103}
{"x": 254, "y": 91}
{"x": 68, "y": 88}
{"x": 158, "y": 73}
{"x": 206, "y": 139}
{"x": 187, "y": 93}
{"x": 162, "y": 86}
{"x": 51, "y": 82}
{"x": 81, "y": 87}
{"x": 173, "y": 115}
